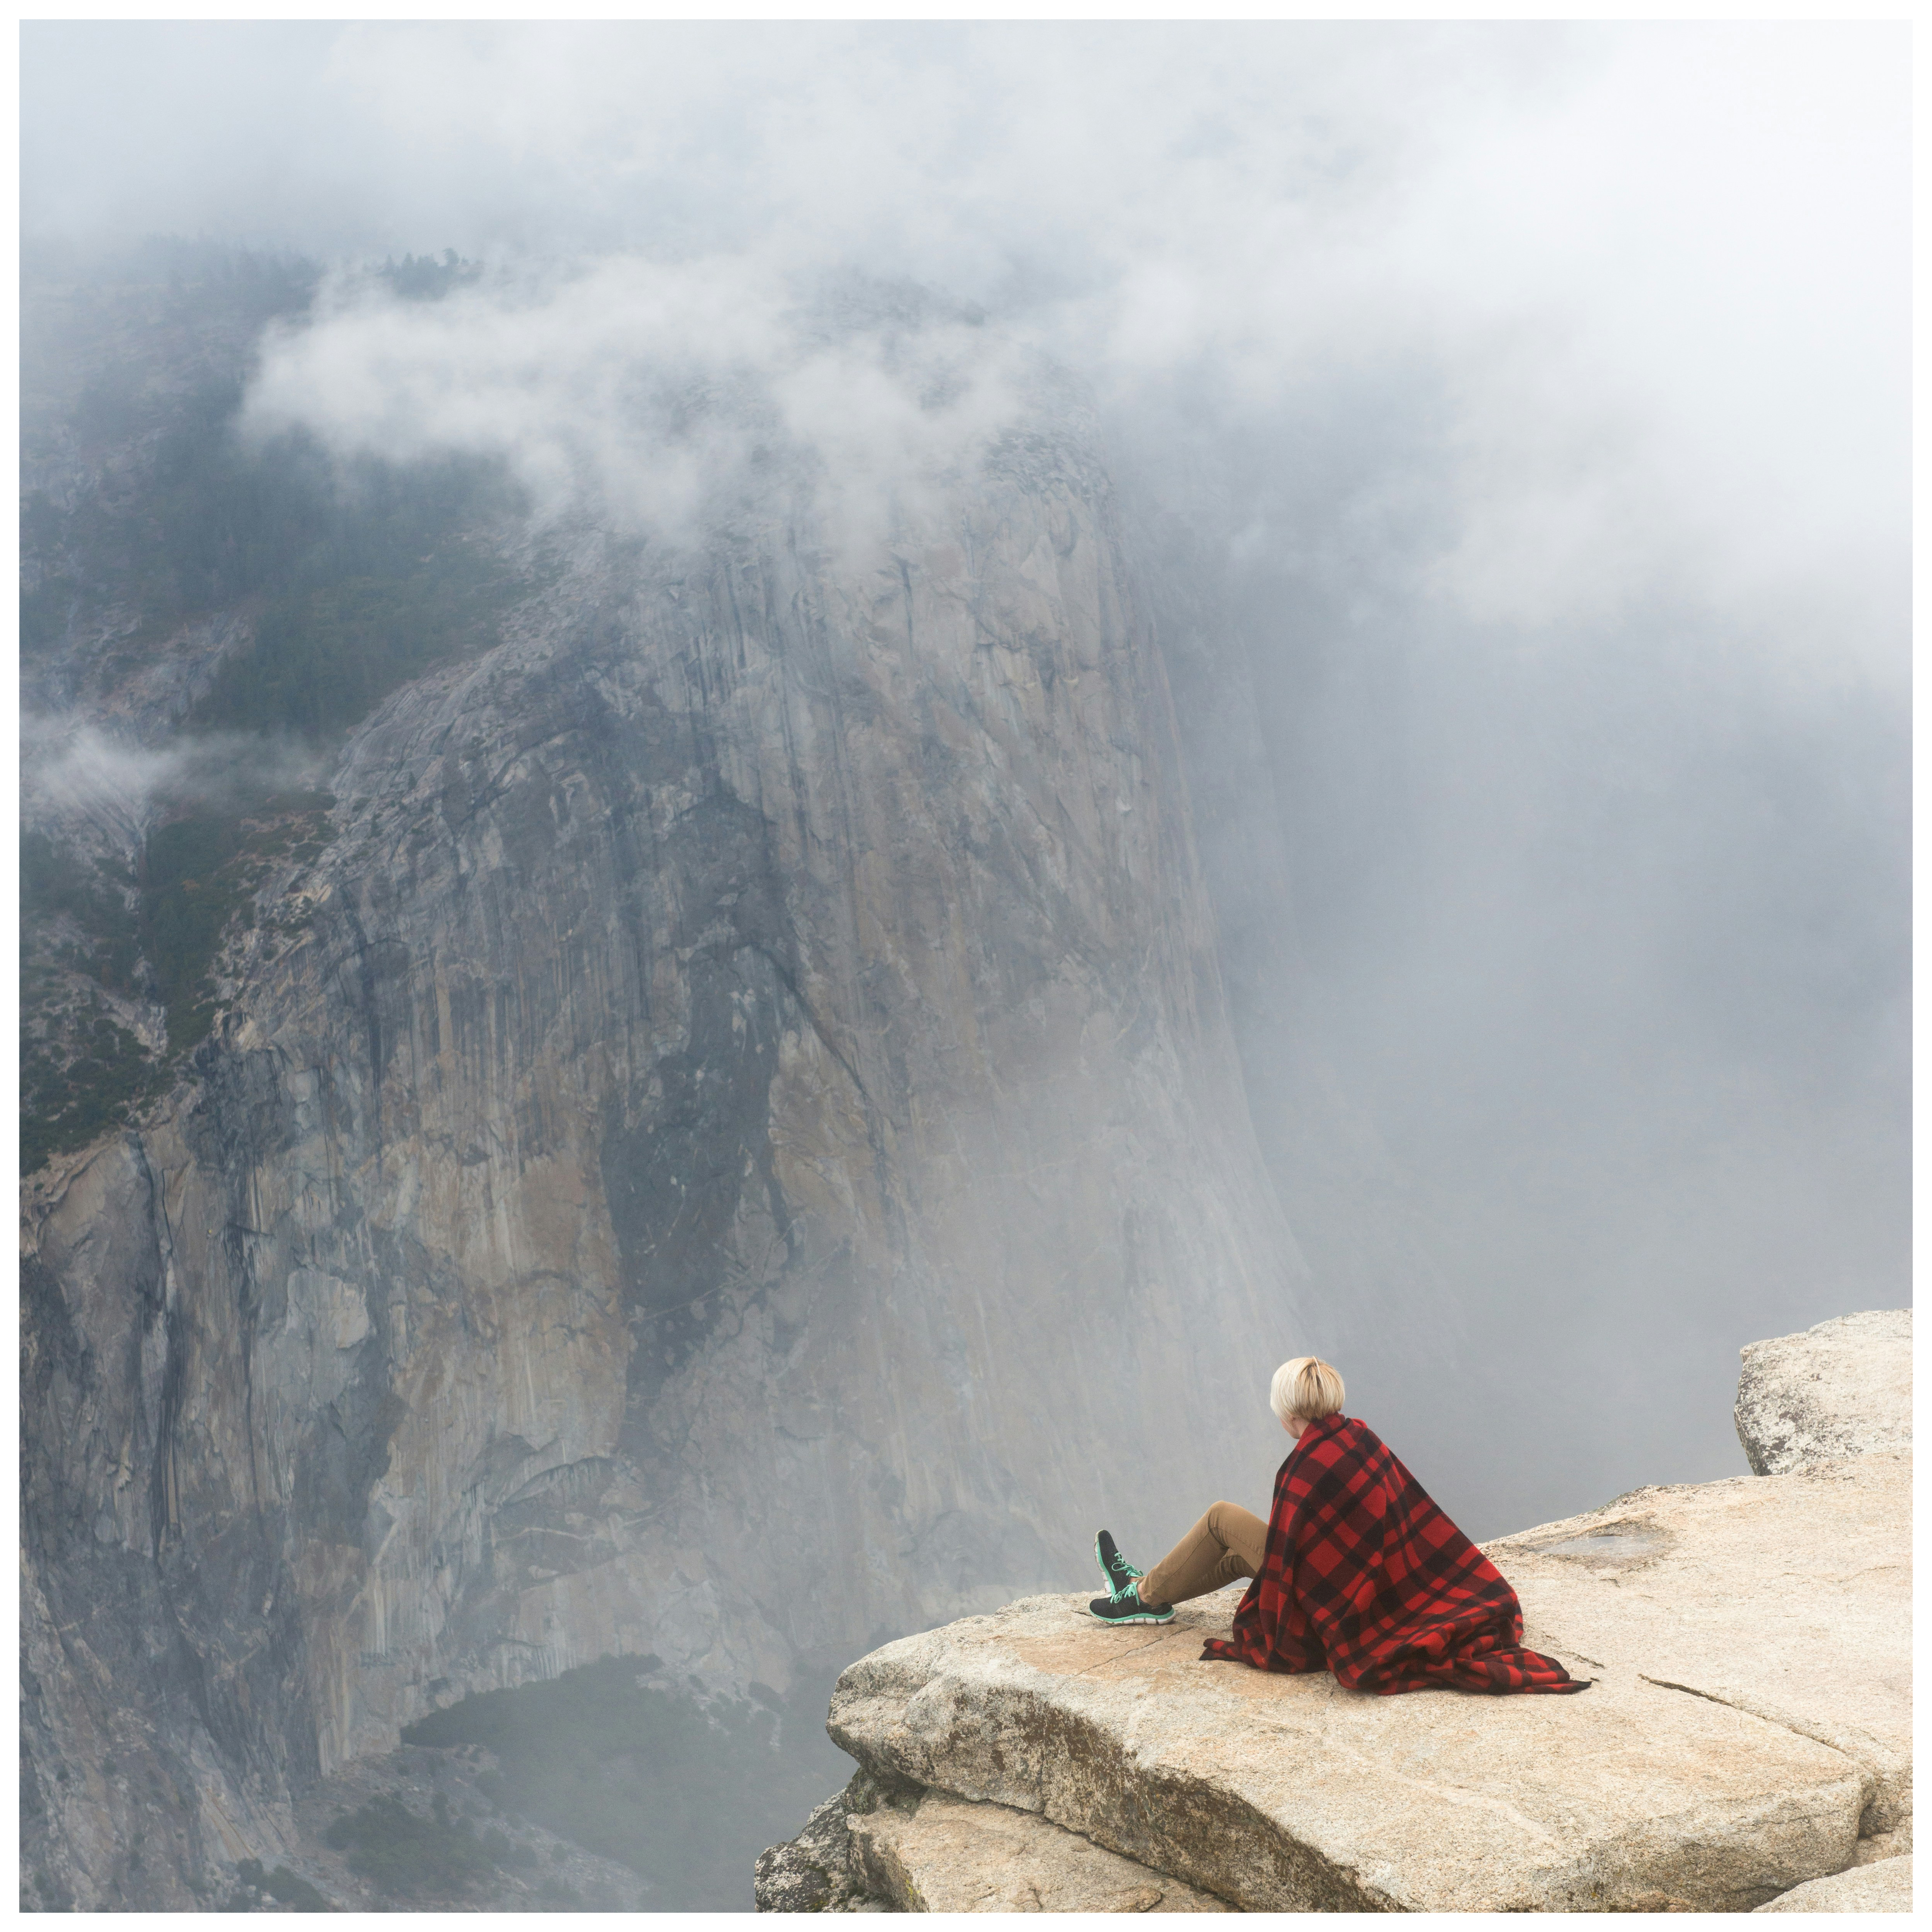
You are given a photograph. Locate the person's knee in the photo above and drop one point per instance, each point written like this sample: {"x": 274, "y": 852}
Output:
{"x": 1217, "y": 1521}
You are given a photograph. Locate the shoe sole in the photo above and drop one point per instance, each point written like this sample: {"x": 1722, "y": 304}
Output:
{"x": 1142, "y": 1617}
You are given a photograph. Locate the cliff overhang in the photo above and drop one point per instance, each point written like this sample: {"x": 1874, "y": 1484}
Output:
{"x": 1748, "y": 1730}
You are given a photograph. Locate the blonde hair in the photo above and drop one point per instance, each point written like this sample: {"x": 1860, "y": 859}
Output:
{"x": 1305, "y": 1389}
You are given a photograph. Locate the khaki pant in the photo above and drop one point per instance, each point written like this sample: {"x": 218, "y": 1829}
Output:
{"x": 1228, "y": 1543}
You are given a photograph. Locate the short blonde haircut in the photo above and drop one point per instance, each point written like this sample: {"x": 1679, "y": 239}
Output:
{"x": 1305, "y": 1390}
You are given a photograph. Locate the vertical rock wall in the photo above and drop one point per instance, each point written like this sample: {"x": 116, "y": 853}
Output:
{"x": 736, "y": 1153}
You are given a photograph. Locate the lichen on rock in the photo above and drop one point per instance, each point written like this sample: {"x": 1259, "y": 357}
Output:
{"x": 1843, "y": 1388}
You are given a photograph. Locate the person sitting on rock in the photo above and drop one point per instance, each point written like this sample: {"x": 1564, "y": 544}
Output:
{"x": 1356, "y": 1570}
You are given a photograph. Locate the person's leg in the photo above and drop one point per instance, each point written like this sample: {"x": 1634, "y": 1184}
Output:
{"x": 1245, "y": 1535}
{"x": 1227, "y": 1543}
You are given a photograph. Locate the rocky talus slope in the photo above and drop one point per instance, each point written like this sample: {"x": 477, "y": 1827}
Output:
{"x": 740, "y": 1104}
{"x": 1747, "y": 1735}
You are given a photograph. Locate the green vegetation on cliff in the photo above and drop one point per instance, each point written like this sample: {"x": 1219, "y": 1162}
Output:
{"x": 82, "y": 1071}
{"x": 281, "y": 1884}
{"x": 197, "y": 874}
{"x": 77, "y": 1088}
{"x": 352, "y": 577}
{"x": 405, "y": 1855}
{"x": 341, "y": 581}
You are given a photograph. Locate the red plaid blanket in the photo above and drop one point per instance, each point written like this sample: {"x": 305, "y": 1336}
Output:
{"x": 1365, "y": 1576}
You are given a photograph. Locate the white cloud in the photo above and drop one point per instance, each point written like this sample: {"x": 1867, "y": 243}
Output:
{"x": 70, "y": 770}
{"x": 1655, "y": 274}
{"x": 653, "y": 396}
{"x": 73, "y": 773}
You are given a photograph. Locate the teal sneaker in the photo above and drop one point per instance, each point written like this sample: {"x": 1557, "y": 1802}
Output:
{"x": 1116, "y": 1572}
{"x": 1128, "y": 1609}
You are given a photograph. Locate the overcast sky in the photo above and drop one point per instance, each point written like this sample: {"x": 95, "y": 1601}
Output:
{"x": 1667, "y": 264}
{"x": 1538, "y": 393}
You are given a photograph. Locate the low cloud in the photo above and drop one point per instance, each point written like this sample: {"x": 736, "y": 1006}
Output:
{"x": 1648, "y": 282}
{"x": 73, "y": 774}
{"x": 662, "y": 398}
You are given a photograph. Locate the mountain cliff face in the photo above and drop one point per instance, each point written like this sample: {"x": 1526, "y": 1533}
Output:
{"x": 718, "y": 1153}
